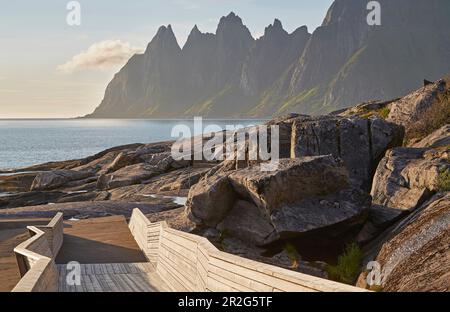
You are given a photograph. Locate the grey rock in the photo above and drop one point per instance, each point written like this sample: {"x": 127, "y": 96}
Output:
{"x": 56, "y": 178}
{"x": 359, "y": 142}
{"x": 349, "y": 206}
{"x": 260, "y": 208}
{"x": 295, "y": 179}
{"x": 439, "y": 138}
{"x": 247, "y": 222}
{"x": 410, "y": 108}
{"x": 134, "y": 174}
{"x": 210, "y": 200}
{"x": 405, "y": 178}
{"x": 414, "y": 254}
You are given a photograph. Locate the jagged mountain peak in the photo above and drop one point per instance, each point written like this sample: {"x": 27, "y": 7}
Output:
{"x": 231, "y": 22}
{"x": 274, "y": 29}
{"x": 301, "y": 30}
{"x": 165, "y": 37}
{"x": 277, "y": 24}
{"x": 195, "y": 30}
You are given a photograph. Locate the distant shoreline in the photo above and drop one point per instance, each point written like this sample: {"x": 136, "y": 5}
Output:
{"x": 134, "y": 119}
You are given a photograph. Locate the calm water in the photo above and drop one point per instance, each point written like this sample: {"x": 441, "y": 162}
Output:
{"x": 28, "y": 142}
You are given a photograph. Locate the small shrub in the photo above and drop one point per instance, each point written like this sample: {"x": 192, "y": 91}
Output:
{"x": 348, "y": 267}
{"x": 444, "y": 181}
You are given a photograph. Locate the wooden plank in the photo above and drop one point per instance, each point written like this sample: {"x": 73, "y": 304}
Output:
{"x": 189, "y": 255}
{"x": 186, "y": 281}
{"x": 112, "y": 286}
{"x": 258, "y": 276}
{"x": 170, "y": 279}
{"x": 228, "y": 283}
{"x": 249, "y": 284}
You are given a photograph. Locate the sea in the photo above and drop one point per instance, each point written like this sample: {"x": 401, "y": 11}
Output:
{"x": 28, "y": 142}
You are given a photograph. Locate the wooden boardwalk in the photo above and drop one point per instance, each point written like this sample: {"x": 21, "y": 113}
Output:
{"x": 110, "y": 258}
{"x": 117, "y": 277}
{"x": 101, "y": 240}
{"x": 12, "y": 233}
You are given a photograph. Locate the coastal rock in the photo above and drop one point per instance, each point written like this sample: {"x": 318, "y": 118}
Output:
{"x": 405, "y": 178}
{"x": 19, "y": 182}
{"x": 165, "y": 161}
{"x": 134, "y": 174}
{"x": 30, "y": 199}
{"x": 56, "y": 178}
{"x": 409, "y": 109}
{"x": 83, "y": 210}
{"x": 173, "y": 183}
{"x": 294, "y": 180}
{"x": 439, "y": 138}
{"x": 415, "y": 255}
{"x": 124, "y": 159}
{"x": 260, "y": 208}
{"x": 210, "y": 200}
{"x": 247, "y": 221}
{"x": 359, "y": 142}
{"x": 334, "y": 213}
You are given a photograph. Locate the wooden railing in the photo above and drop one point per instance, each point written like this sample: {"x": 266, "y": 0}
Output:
{"x": 36, "y": 257}
{"x": 188, "y": 262}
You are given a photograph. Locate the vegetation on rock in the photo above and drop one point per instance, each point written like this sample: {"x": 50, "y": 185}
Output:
{"x": 434, "y": 118}
{"x": 444, "y": 181}
{"x": 348, "y": 266}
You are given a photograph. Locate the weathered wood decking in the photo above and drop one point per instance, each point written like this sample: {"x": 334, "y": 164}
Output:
{"x": 111, "y": 260}
{"x": 102, "y": 240}
{"x": 117, "y": 277}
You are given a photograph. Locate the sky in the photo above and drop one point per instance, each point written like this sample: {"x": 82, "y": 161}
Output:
{"x": 49, "y": 69}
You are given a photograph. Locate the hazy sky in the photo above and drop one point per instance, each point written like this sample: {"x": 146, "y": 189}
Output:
{"x": 49, "y": 69}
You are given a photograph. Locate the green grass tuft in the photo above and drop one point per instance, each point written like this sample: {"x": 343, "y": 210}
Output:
{"x": 293, "y": 255}
{"x": 444, "y": 181}
{"x": 384, "y": 112}
{"x": 348, "y": 267}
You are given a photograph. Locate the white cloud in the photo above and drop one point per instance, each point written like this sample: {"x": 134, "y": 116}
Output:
{"x": 101, "y": 55}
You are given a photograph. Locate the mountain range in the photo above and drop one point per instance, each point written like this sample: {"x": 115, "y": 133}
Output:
{"x": 229, "y": 74}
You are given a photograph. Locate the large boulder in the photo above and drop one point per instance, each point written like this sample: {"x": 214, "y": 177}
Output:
{"x": 415, "y": 254}
{"x": 210, "y": 200}
{"x": 405, "y": 178}
{"x": 295, "y": 180}
{"x": 245, "y": 220}
{"x": 347, "y": 207}
{"x": 53, "y": 179}
{"x": 304, "y": 195}
{"x": 359, "y": 142}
